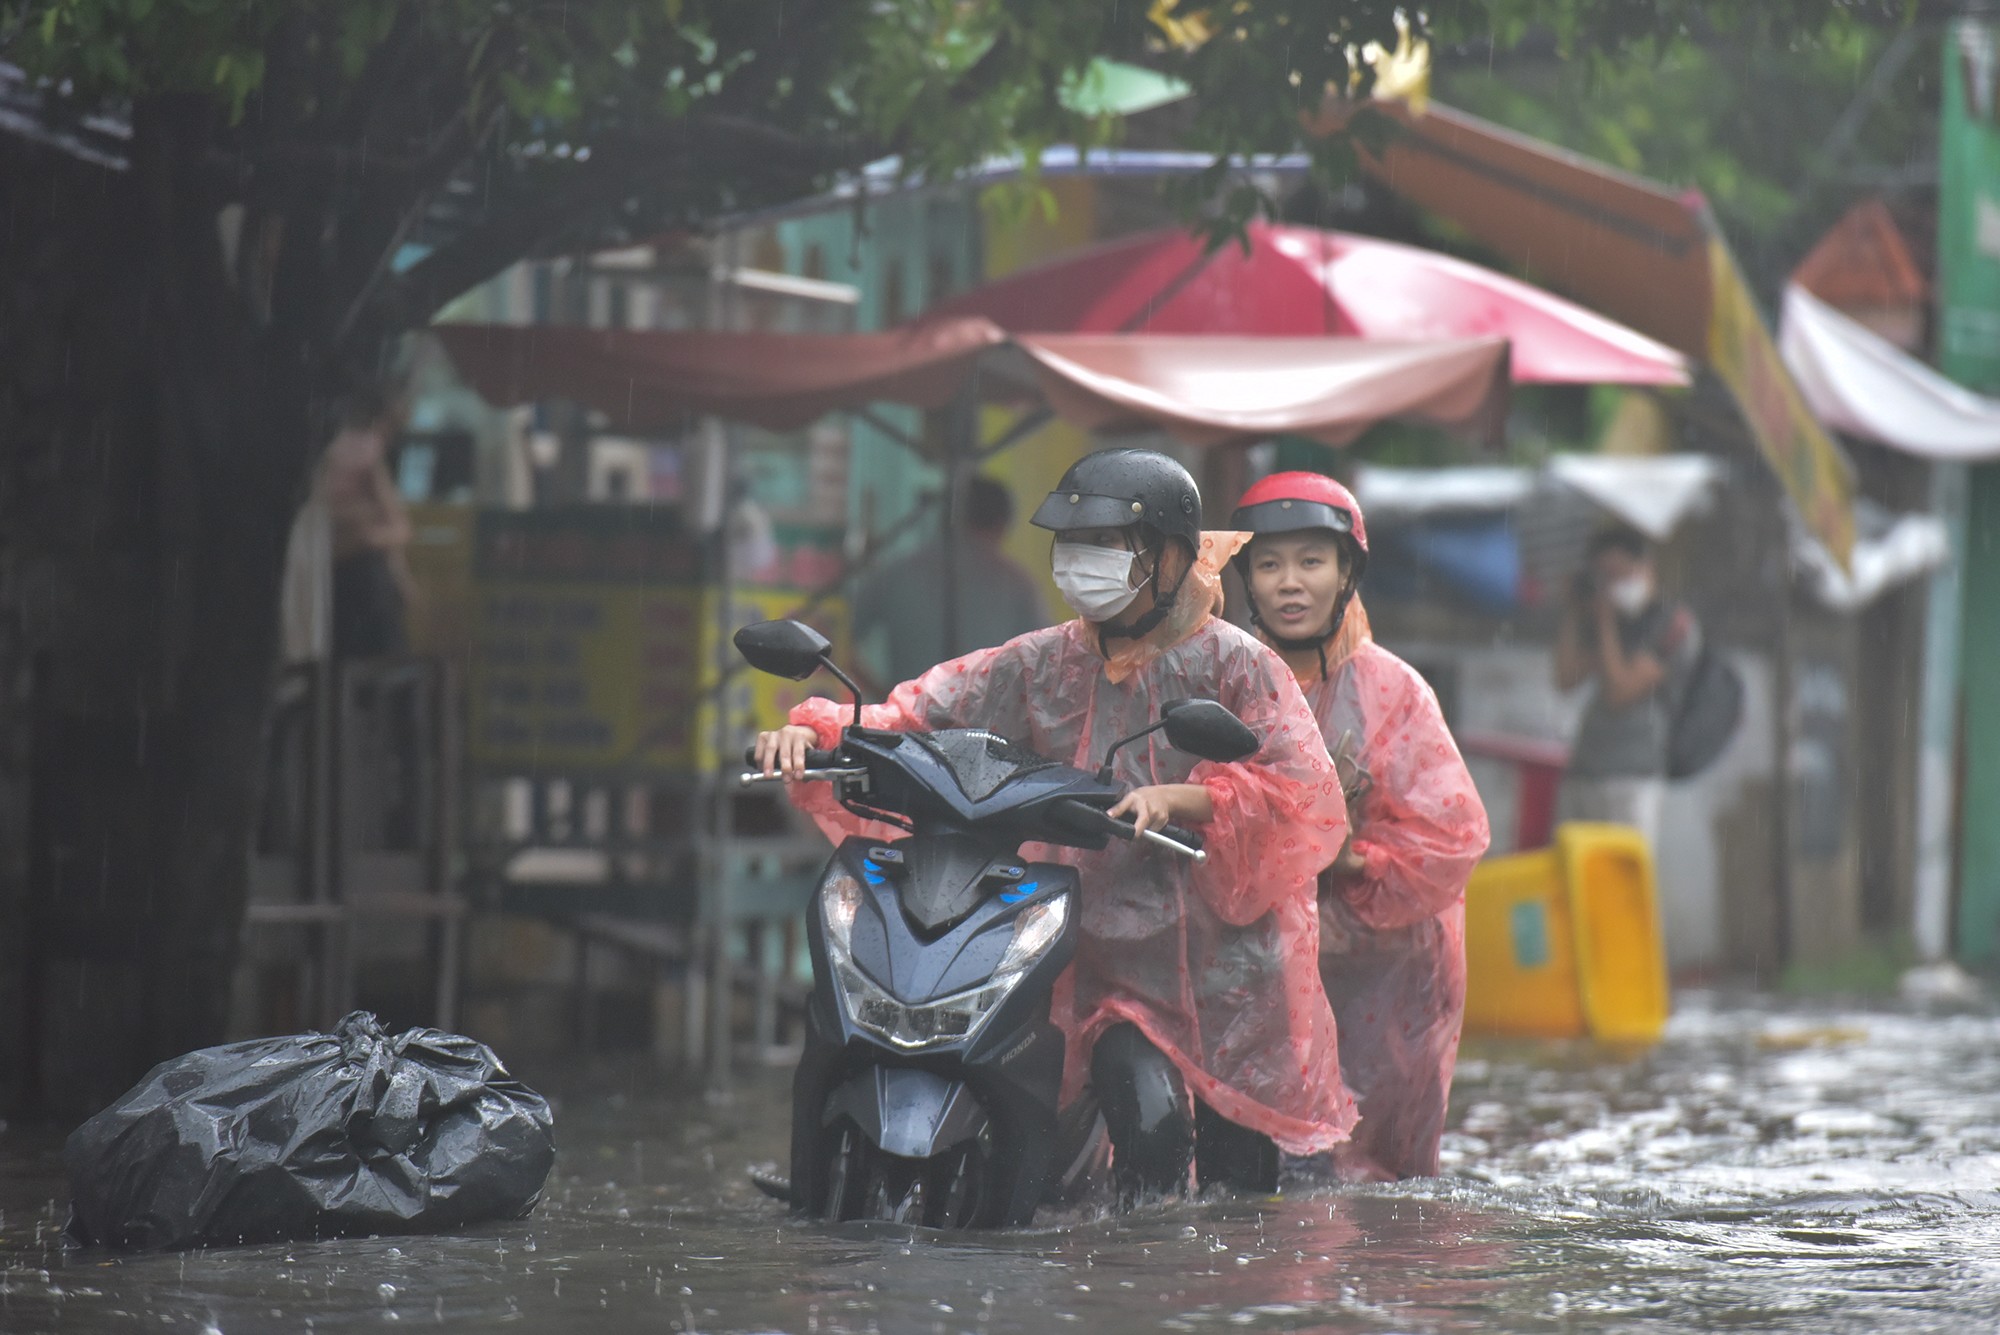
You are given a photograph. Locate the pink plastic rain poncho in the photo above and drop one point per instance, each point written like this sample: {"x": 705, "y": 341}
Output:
{"x": 1392, "y": 941}
{"x": 1216, "y": 964}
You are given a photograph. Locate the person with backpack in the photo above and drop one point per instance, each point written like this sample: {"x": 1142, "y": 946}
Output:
{"x": 1638, "y": 651}
{"x": 1194, "y": 1010}
{"x": 1392, "y": 905}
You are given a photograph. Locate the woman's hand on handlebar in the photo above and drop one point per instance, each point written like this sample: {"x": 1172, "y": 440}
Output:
{"x": 784, "y": 751}
{"x": 1160, "y": 804}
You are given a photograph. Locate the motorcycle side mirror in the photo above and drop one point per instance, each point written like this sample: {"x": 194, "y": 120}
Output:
{"x": 1204, "y": 729}
{"x": 1207, "y": 729}
{"x": 793, "y": 650}
{"x": 789, "y": 649}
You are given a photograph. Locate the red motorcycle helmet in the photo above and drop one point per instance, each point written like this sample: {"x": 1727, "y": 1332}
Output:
{"x": 1291, "y": 502}
{"x": 1296, "y": 503}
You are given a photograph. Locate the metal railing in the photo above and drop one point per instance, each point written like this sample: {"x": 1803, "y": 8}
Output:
{"x": 357, "y": 842}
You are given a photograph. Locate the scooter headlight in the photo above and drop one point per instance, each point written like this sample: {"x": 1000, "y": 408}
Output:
{"x": 839, "y": 900}
{"x": 1034, "y": 932}
{"x": 946, "y": 1020}
{"x": 959, "y": 1016}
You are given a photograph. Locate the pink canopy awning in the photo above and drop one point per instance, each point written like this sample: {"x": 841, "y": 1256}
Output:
{"x": 1202, "y": 390}
{"x": 1301, "y": 281}
{"x": 652, "y": 379}
{"x": 1213, "y": 390}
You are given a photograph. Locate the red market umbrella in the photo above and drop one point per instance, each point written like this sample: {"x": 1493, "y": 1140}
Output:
{"x": 1305, "y": 281}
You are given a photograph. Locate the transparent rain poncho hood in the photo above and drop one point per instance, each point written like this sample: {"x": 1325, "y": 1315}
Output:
{"x": 1217, "y": 964}
{"x": 1392, "y": 941}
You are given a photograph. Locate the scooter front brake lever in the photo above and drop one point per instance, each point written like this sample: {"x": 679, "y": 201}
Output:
{"x": 1195, "y": 855}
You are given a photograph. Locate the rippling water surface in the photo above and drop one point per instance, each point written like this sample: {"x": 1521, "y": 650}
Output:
{"x": 1767, "y": 1167}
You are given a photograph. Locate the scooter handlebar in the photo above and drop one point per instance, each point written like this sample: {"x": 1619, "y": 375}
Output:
{"x": 815, "y": 758}
{"x": 1171, "y": 837}
{"x": 819, "y": 765}
{"x": 1161, "y": 838}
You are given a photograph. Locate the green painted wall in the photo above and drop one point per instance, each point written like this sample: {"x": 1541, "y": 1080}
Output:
{"x": 1979, "y": 873}
{"x": 1969, "y": 352}
{"x": 903, "y": 253}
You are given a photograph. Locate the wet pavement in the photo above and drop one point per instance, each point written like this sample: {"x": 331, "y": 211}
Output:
{"x": 1768, "y": 1167}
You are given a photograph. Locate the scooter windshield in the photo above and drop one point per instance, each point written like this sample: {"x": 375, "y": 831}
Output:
{"x": 980, "y": 761}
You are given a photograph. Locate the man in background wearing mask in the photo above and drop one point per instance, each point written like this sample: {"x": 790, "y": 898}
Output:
{"x": 1635, "y": 649}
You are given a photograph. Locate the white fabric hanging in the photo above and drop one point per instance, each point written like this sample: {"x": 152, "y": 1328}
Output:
{"x": 1858, "y": 382}
{"x": 1410, "y": 492}
{"x": 306, "y": 608}
{"x": 1652, "y": 493}
{"x": 1889, "y": 550}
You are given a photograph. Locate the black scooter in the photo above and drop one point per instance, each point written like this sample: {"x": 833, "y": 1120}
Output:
{"x": 927, "y": 1092}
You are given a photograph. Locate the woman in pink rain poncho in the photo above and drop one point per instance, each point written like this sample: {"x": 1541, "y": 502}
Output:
{"x": 1194, "y": 1009}
{"x": 1392, "y": 907}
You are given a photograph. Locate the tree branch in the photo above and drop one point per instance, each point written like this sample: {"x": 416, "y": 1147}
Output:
{"x": 382, "y": 235}
{"x": 619, "y": 169}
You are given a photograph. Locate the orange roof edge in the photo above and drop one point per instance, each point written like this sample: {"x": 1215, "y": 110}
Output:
{"x": 1864, "y": 260}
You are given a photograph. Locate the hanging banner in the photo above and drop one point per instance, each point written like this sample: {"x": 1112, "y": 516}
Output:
{"x": 1969, "y": 208}
{"x": 1812, "y": 469}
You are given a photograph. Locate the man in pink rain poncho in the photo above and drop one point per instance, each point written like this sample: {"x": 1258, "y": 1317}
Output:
{"x": 1194, "y": 1010}
{"x": 1392, "y": 906}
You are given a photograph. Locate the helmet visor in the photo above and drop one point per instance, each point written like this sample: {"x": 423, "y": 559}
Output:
{"x": 1292, "y": 516}
{"x": 1068, "y": 511}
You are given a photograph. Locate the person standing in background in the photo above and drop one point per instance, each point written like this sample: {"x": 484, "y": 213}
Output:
{"x": 903, "y": 603}
{"x": 372, "y": 586}
{"x": 1635, "y": 649}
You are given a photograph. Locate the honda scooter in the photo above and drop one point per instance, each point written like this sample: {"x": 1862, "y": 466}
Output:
{"x": 927, "y": 1092}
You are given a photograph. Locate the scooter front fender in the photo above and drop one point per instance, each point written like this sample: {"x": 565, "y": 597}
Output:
{"x": 908, "y": 1112}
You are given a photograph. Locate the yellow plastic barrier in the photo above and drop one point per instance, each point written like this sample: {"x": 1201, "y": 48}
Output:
{"x": 1565, "y": 941}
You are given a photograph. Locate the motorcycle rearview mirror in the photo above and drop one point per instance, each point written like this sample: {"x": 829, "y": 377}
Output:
{"x": 1207, "y": 729}
{"x": 1204, "y": 729}
{"x": 789, "y": 649}
{"x": 793, "y": 650}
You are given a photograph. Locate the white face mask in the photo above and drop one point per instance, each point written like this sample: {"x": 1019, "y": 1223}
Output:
{"x": 1631, "y": 594}
{"x": 1095, "y": 581}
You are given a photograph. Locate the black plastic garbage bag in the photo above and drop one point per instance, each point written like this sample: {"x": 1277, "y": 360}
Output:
{"x": 311, "y": 1136}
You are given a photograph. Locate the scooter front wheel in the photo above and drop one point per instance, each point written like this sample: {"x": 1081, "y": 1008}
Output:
{"x": 848, "y": 1172}
{"x": 968, "y": 1194}
{"x": 864, "y": 1183}
{"x": 952, "y": 1190}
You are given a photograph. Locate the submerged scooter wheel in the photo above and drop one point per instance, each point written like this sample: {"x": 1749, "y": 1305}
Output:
{"x": 961, "y": 1203}
{"x": 849, "y": 1162}
{"x": 952, "y": 1190}
{"x": 946, "y": 1192}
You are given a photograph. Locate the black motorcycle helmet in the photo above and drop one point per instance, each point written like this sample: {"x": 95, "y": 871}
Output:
{"x": 1119, "y": 489}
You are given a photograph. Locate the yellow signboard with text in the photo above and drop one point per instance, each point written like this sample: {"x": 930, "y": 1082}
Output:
{"x": 598, "y": 645}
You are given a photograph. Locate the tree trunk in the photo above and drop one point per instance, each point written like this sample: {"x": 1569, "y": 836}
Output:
{"x": 157, "y": 437}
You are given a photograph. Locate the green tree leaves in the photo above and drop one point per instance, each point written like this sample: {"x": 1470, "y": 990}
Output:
{"x": 403, "y": 93}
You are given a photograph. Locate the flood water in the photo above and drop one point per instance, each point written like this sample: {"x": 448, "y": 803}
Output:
{"x": 1768, "y": 1167}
